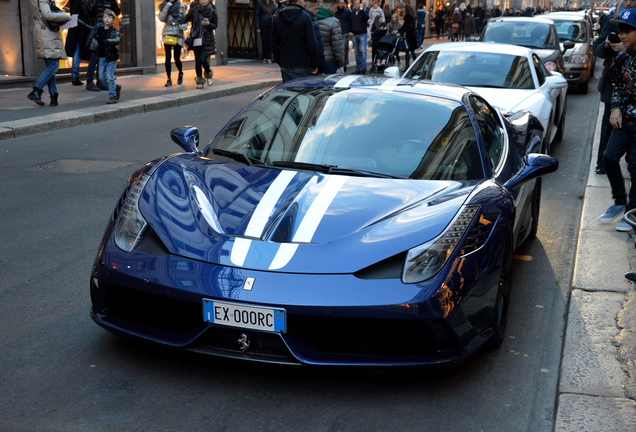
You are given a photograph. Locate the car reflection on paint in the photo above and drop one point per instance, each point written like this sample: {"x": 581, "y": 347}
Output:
{"x": 340, "y": 222}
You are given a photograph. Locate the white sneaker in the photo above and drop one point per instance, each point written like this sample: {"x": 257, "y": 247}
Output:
{"x": 210, "y": 81}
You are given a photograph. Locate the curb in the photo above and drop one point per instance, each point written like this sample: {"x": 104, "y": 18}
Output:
{"x": 69, "y": 119}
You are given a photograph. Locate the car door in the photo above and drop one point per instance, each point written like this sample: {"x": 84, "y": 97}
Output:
{"x": 554, "y": 96}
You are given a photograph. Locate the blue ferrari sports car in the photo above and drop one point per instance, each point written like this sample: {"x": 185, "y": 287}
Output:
{"x": 335, "y": 221}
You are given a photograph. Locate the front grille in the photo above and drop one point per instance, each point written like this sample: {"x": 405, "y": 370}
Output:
{"x": 372, "y": 337}
{"x": 163, "y": 313}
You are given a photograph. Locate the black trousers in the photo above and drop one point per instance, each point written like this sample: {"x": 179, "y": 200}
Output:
{"x": 621, "y": 141}
{"x": 266, "y": 42}
{"x": 200, "y": 60}
{"x": 606, "y": 131}
{"x": 177, "y": 58}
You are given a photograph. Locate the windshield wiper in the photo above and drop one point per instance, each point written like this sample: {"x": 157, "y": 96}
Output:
{"x": 489, "y": 86}
{"x": 239, "y": 157}
{"x": 333, "y": 169}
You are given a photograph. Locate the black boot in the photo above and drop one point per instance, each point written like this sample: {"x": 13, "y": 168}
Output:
{"x": 35, "y": 96}
{"x": 77, "y": 82}
{"x": 54, "y": 99}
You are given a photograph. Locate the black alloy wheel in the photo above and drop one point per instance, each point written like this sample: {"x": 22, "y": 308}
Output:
{"x": 561, "y": 129}
{"x": 500, "y": 315}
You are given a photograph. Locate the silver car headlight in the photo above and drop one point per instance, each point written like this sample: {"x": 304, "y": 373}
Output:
{"x": 131, "y": 225}
{"x": 425, "y": 261}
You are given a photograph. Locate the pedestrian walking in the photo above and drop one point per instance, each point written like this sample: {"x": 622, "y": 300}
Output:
{"x": 171, "y": 12}
{"x": 48, "y": 46}
{"x": 623, "y": 120}
{"x": 310, "y": 9}
{"x": 75, "y": 44}
{"x": 359, "y": 19}
{"x": 95, "y": 9}
{"x": 331, "y": 35}
{"x": 294, "y": 43}
{"x": 204, "y": 19}
{"x": 264, "y": 17}
{"x": 421, "y": 23}
{"x": 440, "y": 19}
{"x": 469, "y": 24}
{"x": 106, "y": 38}
{"x": 409, "y": 32}
{"x": 343, "y": 14}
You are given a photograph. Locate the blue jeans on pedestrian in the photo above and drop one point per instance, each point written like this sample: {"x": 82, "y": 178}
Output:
{"x": 345, "y": 41}
{"x": 420, "y": 36}
{"x": 92, "y": 64}
{"x": 107, "y": 75}
{"x": 48, "y": 76}
{"x": 76, "y": 63}
{"x": 291, "y": 73}
{"x": 360, "y": 48}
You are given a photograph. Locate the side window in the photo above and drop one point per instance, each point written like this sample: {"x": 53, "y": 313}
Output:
{"x": 489, "y": 127}
{"x": 539, "y": 68}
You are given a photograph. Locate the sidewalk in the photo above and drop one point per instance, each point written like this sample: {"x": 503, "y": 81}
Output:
{"x": 20, "y": 116}
{"x": 594, "y": 388}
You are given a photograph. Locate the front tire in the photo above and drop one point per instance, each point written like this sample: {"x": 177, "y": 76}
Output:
{"x": 561, "y": 129}
{"x": 500, "y": 313}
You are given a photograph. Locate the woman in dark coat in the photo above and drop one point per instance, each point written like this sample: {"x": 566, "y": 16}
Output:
{"x": 440, "y": 19}
{"x": 264, "y": 16}
{"x": 75, "y": 45}
{"x": 204, "y": 19}
{"x": 409, "y": 31}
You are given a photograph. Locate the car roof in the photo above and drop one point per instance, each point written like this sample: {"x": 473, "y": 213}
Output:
{"x": 522, "y": 19}
{"x": 402, "y": 85}
{"x": 482, "y": 47}
{"x": 567, "y": 16}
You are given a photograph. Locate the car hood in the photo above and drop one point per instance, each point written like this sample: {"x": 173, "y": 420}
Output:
{"x": 510, "y": 101}
{"x": 292, "y": 221}
{"x": 546, "y": 54}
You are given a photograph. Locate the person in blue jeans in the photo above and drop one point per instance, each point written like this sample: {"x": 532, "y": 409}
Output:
{"x": 359, "y": 20}
{"x": 94, "y": 9}
{"x": 107, "y": 37}
{"x": 75, "y": 43}
{"x": 343, "y": 13}
{"x": 48, "y": 46}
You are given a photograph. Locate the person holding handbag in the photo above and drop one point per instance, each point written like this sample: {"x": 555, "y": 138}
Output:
{"x": 204, "y": 19}
{"x": 48, "y": 46}
{"x": 171, "y": 12}
{"x": 264, "y": 18}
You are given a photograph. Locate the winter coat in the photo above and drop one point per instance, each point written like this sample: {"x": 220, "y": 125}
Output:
{"x": 265, "y": 14}
{"x": 95, "y": 9}
{"x": 469, "y": 25}
{"x": 195, "y": 16}
{"x": 331, "y": 35}
{"x": 319, "y": 45}
{"x": 293, "y": 40}
{"x": 359, "y": 22}
{"x": 409, "y": 31}
{"x": 344, "y": 16}
{"x": 171, "y": 27}
{"x": 48, "y": 44}
{"x": 77, "y": 35}
{"x": 608, "y": 54}
{"x": 109, "y": 43}
{"x": 421, "y": 18}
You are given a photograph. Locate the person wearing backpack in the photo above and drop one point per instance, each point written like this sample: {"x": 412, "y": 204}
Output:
{"x": 48, "y": 46}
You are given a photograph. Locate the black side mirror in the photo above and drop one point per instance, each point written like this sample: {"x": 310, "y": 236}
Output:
{"x": 568, "y": 45}
{"x": 534, "y": 165}
{"x": 187, "y": 137}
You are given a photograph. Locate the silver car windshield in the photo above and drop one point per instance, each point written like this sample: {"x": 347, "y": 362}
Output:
{"x": 389, "y": 133}
{"x": 476, "y": 69}
{"x": 528, "y": 34}
{"x": 575, "y": 31}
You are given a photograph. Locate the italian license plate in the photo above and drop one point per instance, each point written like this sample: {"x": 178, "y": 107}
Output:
{"x": 245, "y": 316}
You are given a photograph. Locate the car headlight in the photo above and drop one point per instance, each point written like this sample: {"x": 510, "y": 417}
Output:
{"x": 579, "y": 59}
{"x": 551, "y": 66}
{"x": 425, "y": 261}
{"x": 131, "y": 224}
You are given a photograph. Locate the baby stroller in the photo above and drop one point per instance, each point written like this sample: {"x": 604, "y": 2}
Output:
{"x": 385, "y": 56}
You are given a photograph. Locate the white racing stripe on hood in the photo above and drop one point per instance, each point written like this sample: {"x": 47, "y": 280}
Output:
{"x": 346, "y": 81}
{"x": 261, "y": 215}
{"x": 207, "y": 210}
{"x": 310, "y": 222}
{"x": 392, "y": 82}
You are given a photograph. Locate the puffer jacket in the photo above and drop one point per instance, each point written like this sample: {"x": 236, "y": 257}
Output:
{"x": 199, "y": 30}
{"x": 331, "y": 35}
{"x": 171, "y": 27}
{"x": 48, "y": 44}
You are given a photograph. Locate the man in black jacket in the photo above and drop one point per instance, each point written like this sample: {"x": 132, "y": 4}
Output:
{"x": 294, "y": 43}
{"x": 95, "y": 10}
{"x": 359, "y": 20}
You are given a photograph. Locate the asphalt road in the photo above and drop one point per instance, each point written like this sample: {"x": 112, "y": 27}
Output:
{"x": 61, "y": 372}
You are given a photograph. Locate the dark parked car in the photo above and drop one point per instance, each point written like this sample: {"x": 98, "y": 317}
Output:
{"x": 538, "y": 34}
{"x": 339, "y": 221}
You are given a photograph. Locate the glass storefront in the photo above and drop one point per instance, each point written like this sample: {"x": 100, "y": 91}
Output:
{"x": 125, "y": 23}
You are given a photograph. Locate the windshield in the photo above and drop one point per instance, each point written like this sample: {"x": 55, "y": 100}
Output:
{"x": 385, "y": 132}
{"x": 575, "y": 31}
{"x": 476, "y": 69}
{"x": 527, "y": 34}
